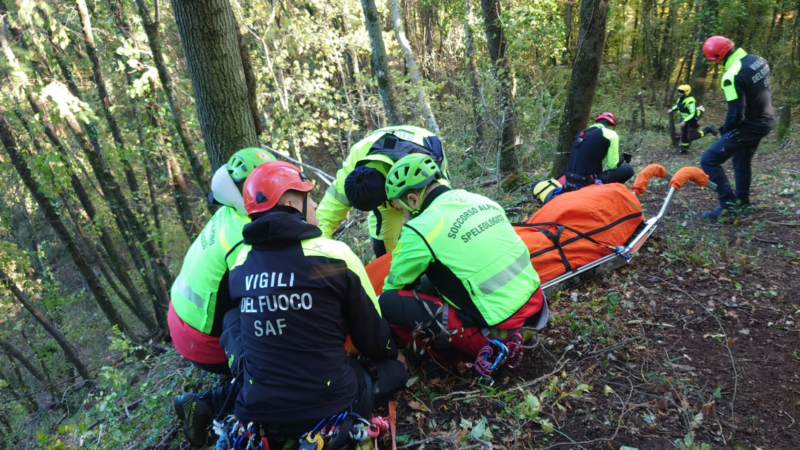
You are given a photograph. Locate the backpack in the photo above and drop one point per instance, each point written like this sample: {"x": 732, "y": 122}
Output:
{"x": 544, "y": 191}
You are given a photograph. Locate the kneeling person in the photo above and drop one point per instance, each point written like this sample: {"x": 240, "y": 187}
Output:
{"x": 469, "y": 251}
{"x": 591, "y": 148}
{"x": 300, "y": 295}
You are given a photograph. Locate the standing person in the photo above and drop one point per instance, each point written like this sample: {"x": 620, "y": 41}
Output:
{"x": 592, "y": 148}
{"x": 300, "y": 296}
{"x": 360, "y": 182}
{"x": 750, "y": 117}
{"x": 689, "y": 119}
{"x": 199, "y": 296}
{"x": 463, "y": 243}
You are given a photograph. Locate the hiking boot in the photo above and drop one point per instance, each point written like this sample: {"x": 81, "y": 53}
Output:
{"x": 196, "y": 415}
{"x": 711, "y": 129}
{"x": 681, "y": 152}
{"x": 718, "y": 212}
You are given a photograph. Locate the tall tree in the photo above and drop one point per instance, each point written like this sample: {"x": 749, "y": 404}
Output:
{"x": 97, "y": 290}
{"x": 473, "y": 75}
{"x": 151, "y": 29}
{"x": 583, "y": 81}
{"x": 498, "y": 51}
{"x": 707, "y": 11}
{"x": 102, "y": 91}
{"x": 209, "y": 32}
{"x": 411, "y": 66}
{"x": 25, "y": 362}
{"x": 69, "y": 350}
{"x": 380, "y": 62}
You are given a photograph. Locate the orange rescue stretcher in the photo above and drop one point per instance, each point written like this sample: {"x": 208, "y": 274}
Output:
{"x": 622, "y": 254}
{"x": 582, "y": 235}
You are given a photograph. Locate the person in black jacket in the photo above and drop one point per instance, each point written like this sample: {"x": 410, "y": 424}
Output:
{"x": 591, "y": 148}
{"x": 300, "y": 296}
{"x": 746, "y": 85}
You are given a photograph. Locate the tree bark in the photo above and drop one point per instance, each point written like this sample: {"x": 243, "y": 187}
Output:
{"x": 583, "y": 81}
{"x": 567, "y": 29}
{"x": 422, "y": 99}
{"x": 151, "y": 28}
{"x": 707, "y": 27}
{"x": 69, "y": 350}
{"x": 250, "y": 81}
{"x": 506, "y": 85}
{"x": 472, "y": 73}
{"x": 381, "y": 62}
{"x": 208, "y": 33}
{"x": 100, "y": 296}
{"x": 102, "y": 91}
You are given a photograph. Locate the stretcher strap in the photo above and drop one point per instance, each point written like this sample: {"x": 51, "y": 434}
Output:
{"x": 555, "y": 238}
{"x": 579, "y": 234}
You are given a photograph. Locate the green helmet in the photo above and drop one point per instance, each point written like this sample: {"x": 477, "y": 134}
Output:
{"x": 411, "y": 172}
{"x": 245, "y": 160}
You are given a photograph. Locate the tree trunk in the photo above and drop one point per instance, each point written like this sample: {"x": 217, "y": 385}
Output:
{"x": 707, "y": 27}
{"x": 583, "y": 81}
{"x": 472, "y": 73}
{"x": 53, "y": 216}
{"x": 28, "y": 365}
{"x": 69, "y": 351}
{"x": 102, "y": 91}
{"x": 250, "y": 81}
{"x": 192, "y": 225}
{"x": 784, "y": 122}
{"x": 567, "y": 30}
{"x": 26, "y": 401}
{"x": 506, "y": 86}
{"x": 208, "y": 32}
{"x": 151, "y": 28}
{"x": 381, "y": 62}
{"x": 424, "y": 107}
{"x": 118, "y": 264}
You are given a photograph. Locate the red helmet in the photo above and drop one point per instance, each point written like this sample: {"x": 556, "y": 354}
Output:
{"x": 716, "y": 47}
{"x": 610, "y": 117}
{"x": 267, "y": 182}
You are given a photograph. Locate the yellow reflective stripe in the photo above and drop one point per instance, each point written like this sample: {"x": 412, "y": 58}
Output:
{"x": 501, "y": 278}
{"x": 341, "y": 198}
{"x": 186, "y": 291}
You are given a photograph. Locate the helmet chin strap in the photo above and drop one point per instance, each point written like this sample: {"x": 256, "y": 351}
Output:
{"x": 305, "y": 206}
{"x": 415, "y": 211}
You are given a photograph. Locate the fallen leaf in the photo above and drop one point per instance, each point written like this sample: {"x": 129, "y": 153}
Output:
{"x": 744, "y": 331}
{"x": 661, "y": 405}
{"x": 708, "y": 408}
{"x": 413, "y": 404}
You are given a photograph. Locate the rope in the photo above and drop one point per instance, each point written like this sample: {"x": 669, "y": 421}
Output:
{"x": 379, "y": 425}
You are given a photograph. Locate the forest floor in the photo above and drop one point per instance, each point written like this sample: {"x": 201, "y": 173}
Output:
{"x": 693, "y": 345}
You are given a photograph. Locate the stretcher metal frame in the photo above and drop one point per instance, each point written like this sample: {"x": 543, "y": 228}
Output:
{"x": 621, "y": 257}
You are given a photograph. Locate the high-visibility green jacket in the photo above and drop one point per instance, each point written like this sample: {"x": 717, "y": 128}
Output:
{"x": 470, "y": 252}
{"x": 386, "y": 221}
{"x": 687, "y": 106}
{"x": 200, "y": 294}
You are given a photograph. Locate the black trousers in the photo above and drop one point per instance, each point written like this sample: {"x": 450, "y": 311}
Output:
{"x": 689, "y": 133}
{"x": 378, "y": 381}
{"x": 621, "y": 174}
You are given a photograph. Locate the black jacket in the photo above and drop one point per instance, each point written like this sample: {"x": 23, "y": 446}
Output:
{"x": 300, "y": 296}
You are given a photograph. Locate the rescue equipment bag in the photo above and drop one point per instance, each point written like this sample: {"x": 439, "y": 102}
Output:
{"x": 544, "y": 191}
